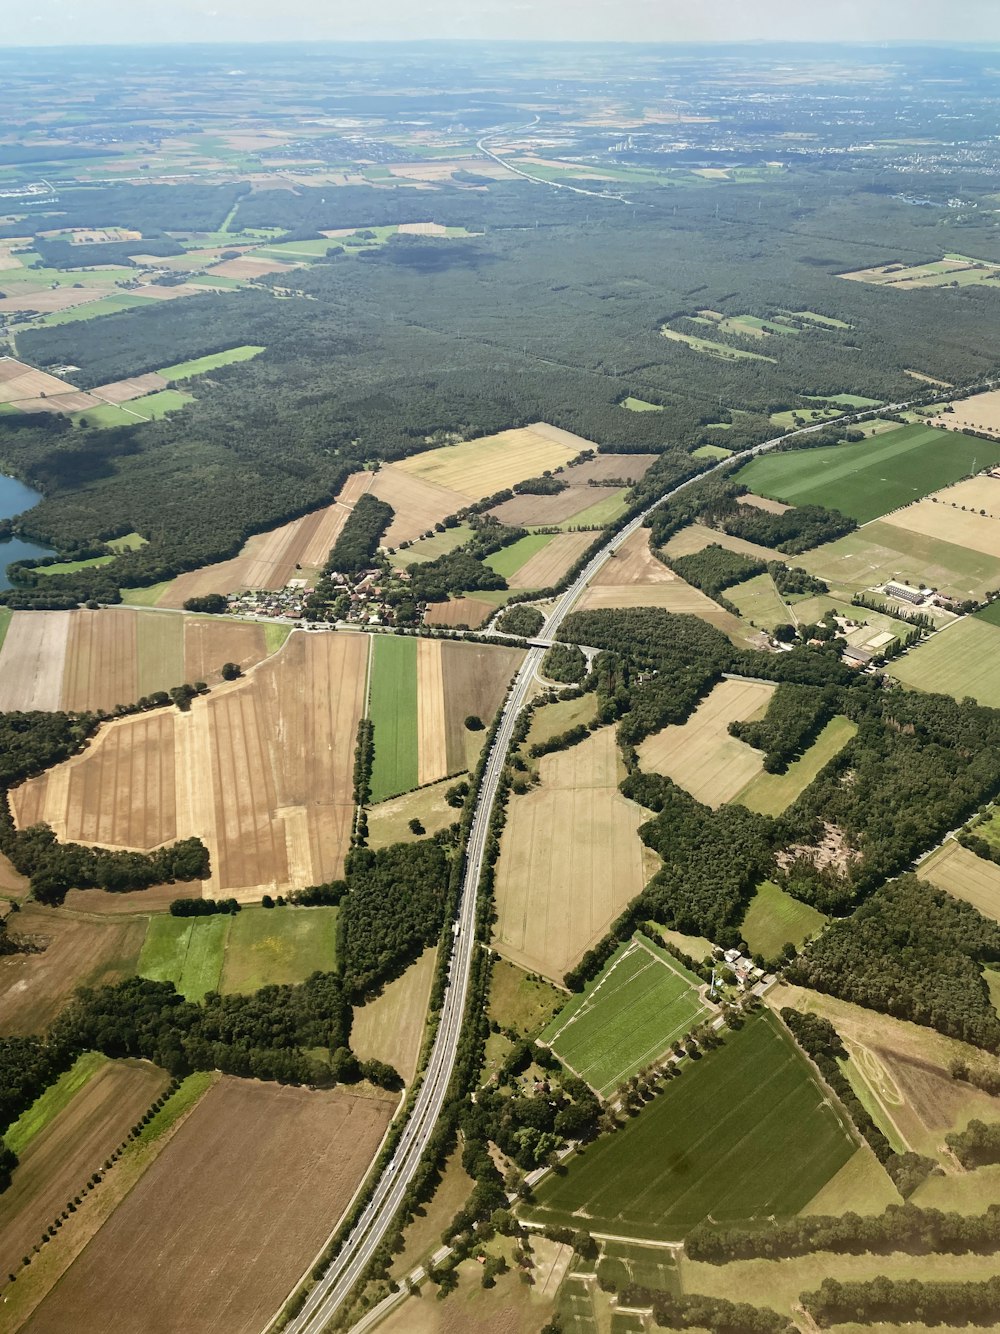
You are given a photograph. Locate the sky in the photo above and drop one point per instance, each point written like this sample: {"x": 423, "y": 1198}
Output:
{"x": 91, "y": 22}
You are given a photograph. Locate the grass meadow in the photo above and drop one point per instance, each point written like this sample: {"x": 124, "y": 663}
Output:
{"x": 188, "y": 951}
{"x": 871, "y": 477}
{"x": 643, "y": 1001}
{"x": 774, "y": 918}
{"x": 958, "y": 661}
{"x": 744, "y": 1133}
{"x": 50, "y": 1103}
{"x": 771, "y": 794}
{"x": 185, "y": 370}
{"x": 393, "y": 710}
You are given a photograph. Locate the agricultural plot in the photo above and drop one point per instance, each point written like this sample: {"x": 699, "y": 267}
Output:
{"x": 980, "y": 412}
{"x": 958, "y": 661}
{"x": 953, "y": 270}
{"x": 508, "y": 560}
{"x": 31, "y": 660}
{"x": 773, "y": 919}
{"x": 392, "y": 703}
{"x": 861, "y": 1185}
{"x": 543, "y": 558}
{"x": 390, "y": 1028}
{"x": 478, "y": 468}
{"x": 966, "y": 876}
{"x": 69, "y": 952}
{"x": 640, "y": 405}
{"x": 578, "y": 502}
{"x": 274, "y": 946}
{"x": 187, "y": 370}
{"x": 760, "y": 602}
{"x": 389, "y": 821}
{"x": 712, "y": 349}
{"x": 552, "y": 719}
{"x": 697, "y": 536}
{"x": 467, "y": 613}
{"x": 305, "y": 1152}
{"x": 700, "y": 755}
{"x": 474, "y": 680}
{"x": 628, "y": 1017}
{"x": 716, "y": 1142}
{"x": 871, "y": 477}
{"x": 635, "y": 578}
{"x": 945, "y": 518}
{"x": 419, "y": 504}
{"x": 570, "y": 858}
{"x": 771, "y": 794}
{"x": 261, "y": 769}
{"x": 84, "y": 1121}
{"x": 881, "y": 551}
{"x": 187, "y": 951}
{"x": 429, "y": 548}
{"x": 713, "y": 451}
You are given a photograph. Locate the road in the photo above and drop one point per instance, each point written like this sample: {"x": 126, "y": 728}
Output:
{"x": 355, "y": 1255}
{"x": 485, "y": 149}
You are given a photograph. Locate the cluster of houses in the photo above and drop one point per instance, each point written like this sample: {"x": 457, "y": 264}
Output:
{"x": 355, "y": 600}
{"x": 280, "y": 604}
{"x": 748, "y": 976}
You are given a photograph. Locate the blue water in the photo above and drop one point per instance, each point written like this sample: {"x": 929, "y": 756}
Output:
{"x": 15, "y": 497}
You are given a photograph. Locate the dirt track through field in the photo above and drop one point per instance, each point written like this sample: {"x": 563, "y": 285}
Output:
{"x": 32, "y": 659}
{"x": 261, "y": 769}
{"x": 216, "y": 1233}
{"x": 59, "y": 1159}
{"x": 432, "y": 747}
{"x": 570, "y": 859}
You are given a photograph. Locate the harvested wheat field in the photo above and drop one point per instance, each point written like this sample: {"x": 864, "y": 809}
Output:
{"x": 261, "y": 769}
{"x": 391, "y": 1027}
{"x": 13, "y": 885}
{"x": 635, "y": 578}
{"x": 73, "y": 401}
{"x": 579, "y": 494}
{"x": 137, "y": 386}
{"x": 247, "y": 268}
{"x": 157, "y": 898}
{"x": 46, "y": 300}
{"x": 696, "y": 536}
{"x": 61, "y": 1156}
{"x": 700, "y": 755}
{"x": 570, "y": 858}
{"x": 22, "y": 381}
{"x": 432, "y": 748}
{"x": 418, "y": 503}
{"x": 478, "y": 468}
{"x": 762, "y": 503}
{"x": 102, "y": 660}
{"x": 71, "y": 952}
{"x": 209, "y": 643}
{"x": 973, "y": 531}
{"x": 220, "y": 1227}
{"x": 981, "y": 412}
{"x": 475, "y": 678}
{"x": 31, "y": 660}
{"x": 962, "y": 873}
{"x": 547, "y": 567}
{"x": 467, "y": 613}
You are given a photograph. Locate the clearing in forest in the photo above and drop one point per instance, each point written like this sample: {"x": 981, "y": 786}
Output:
{"x": 389, "y": 821}
{"x": 479, "y": 468}
{"x": 629, "y": 1016}
{"x": 724, "y": 351}
{"x": 716, "y": 1142}
{"x": 773, "y": 919}
{"x": 72, "y": 1143}
{"x": 570, "y": 858}
{"x": 390, "y": 1028}
{"x": 261, "y": 769}
{"x": 958, "y": 661}
{"x": 869, "y": 478}
{"x": 700, "y": 755}
{"x": 186, "y": 370}
{"x": 771, "y": 794}
{"x": 304, "y": 1150}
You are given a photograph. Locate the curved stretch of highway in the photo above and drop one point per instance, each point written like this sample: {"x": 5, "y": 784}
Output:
{"x": 356, "y": 1253}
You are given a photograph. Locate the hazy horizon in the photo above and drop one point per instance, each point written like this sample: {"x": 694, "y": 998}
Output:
{"x": 61, "y": 23}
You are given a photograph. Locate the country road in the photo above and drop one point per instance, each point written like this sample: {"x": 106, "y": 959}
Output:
{"x": 330, "y": 1292}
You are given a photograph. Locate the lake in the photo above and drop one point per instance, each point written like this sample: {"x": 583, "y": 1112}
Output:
{"x": 15, "y": 497}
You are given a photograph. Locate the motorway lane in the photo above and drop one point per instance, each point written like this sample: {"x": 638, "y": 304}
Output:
{"x": 356, "y": 1253}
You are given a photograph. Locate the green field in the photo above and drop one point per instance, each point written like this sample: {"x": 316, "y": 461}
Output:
{"x": 627, "y": 1017}
{"x": 713, "y": 451}
{"x": 271, "y": 946}
{"x": 721, "y": 350}
{"x": 187, "y": 951}
{"x": 774, "y": 918}
{"x": 71, "y": 566}
{"x": 640, "y": 405}
{"x": 760, "y": 602}
{"x": 771, "y": 794}
{"x": 185, "y": 370}
{"x": 5, "y": 615}
{"x": 990, "y": 613}
{"x": 958, "y": 661}
{"x": 148, "y": 595}
{"x": 793, "y": 417}
{"x": 605, "y": 511}
{"x": 845, "y": 400}
{"x": 49, "y": 1104}
{"x": 393, "y": 710}
{"x": 508, "y": 560}
{"x": 871, "y": 477}
{"x": 92, "y": 310}
{"x": 148, "y": 409}
{"x": 130, "y": 542}
{"x": 745, "y": 1132}
{"x": 429, "y": 548}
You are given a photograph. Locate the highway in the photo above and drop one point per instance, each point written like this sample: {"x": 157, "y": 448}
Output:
{"x": 356, "y": 1253}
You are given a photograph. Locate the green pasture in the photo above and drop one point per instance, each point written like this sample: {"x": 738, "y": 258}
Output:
{"x": 881, "y": 551}
{"x": 774, "y": 918}
{"x": 92, "y": 310}
{"x": 55, "y": 1099}
{"x": 960, "y": 660}
{"x": 508, "y": 560}
{"x": 714, "y": 451}
{"x": 187, "y": 951}
{"x": 744, "y": 1132}
{"x": 990, "y": 613}
{"x": 759, "y": 601}
{"x": 71, "y": 566}
{"x": 792, "y": 417}
{"x": 640, "y": 405}
{"x": 845, "y": 400}
{"x": 828, "y": 320}
{"x": 129, "y": 542}
{"x": 713, "y": 349}
{"x": 151, "y": 408}
{"x": 393, "y": 711}
{"x": 5, "y": 615}
{"x": 871, "y": 477}
{"x": 771, "y": 794}
{"x": 272, "y": 946}
{"x": 642, "y": 1002}
{"x": 186, "y": 370}
{"x": 148, "y": 596}
{"x": 602, "y": 512}
{"x": 429, "y": 548}
{"x": 275, "y": 636}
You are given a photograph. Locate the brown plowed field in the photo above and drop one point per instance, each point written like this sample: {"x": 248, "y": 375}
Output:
{"x": 248, "y": 268}
{"x": 570, "y": 859}
{"x": 475, "y": 679}
{"x": 579, "y": 495}
{"x": 73, "y": 953}
{"x": 633, "y": 564}
{"x": 432, "y": 748}
{"x": 209, "y": 644}
{"x": 29, "y": 383}
{"x": 102, "y": 660}
{"x": 12, "y": 883}
{"x": 60, "y": 1158}
{"x": 123, "y": 391}
{"x": 65, "y": 402}
{"x": 549, "y": 565}
{"x": 155, "y": 899}
{"x": 261, "y": 769}
{"x": 31, "y": 660}
{"x": 470, "y": 612}
{"x": 696, "y": 537}
{"x": 391, "y": 1027}
{"x": 419, "y": 503}
{"x": 46, "y": 300}
{"x": 216, "y": 1233}
{"x": 762, "y": 503}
